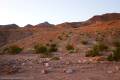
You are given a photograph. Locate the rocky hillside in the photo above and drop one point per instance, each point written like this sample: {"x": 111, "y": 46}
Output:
{"x": 101, "y": 27}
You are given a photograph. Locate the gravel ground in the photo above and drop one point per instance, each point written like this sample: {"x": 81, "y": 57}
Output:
{"x": 32, "y": 67}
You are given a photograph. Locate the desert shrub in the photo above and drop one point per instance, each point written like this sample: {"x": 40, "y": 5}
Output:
{"x": 116, "y": 43}
{"x": 60, "y": 38}
{"x": 101, "y": 46}
{"x": 14, "y": 49}
{"x": 92, "y": 53}
{"x": 96, "y": 49}
{"x": 84, "y": 42}
{"x": 45, "y": 50}
{"x": 69, "y": 47}
{"x": 53, "y": 48}
{"x": 115, "y": 56}
{"x": 40, "y": 49}
{"x": 110, "y": 58}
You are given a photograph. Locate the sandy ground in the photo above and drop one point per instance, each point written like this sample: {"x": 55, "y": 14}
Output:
{"x": 69, "y": 67}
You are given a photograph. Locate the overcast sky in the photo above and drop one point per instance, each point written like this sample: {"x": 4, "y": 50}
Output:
{"x": 23, "y": 12}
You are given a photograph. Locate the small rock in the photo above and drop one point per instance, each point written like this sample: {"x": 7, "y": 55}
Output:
{"x": 79, "y": 61}
{"x": 117, "y": 68}
{"x": 44, "y": 71}
{"x": 69, "y": 71}
{"x": 46, "y": 64}
{"x": 109, "y": 72}
{"x": 68, "y": 63}
{"x": 23, "y": 64}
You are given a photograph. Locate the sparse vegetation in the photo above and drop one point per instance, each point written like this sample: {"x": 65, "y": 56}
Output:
{"x": 60, "y": 38}
{"x": 14, "y": 49}
{"x": 53, "y": 48}
{"x": 96, "y": 49}
{"x": 69, "y": 47}
{"x": 40, "y": 49}
{"x": 115, "y": 56}
{"x": 45, "y": 50}
{"x": 84, "y": 42}
{"x": 92, "y": 53}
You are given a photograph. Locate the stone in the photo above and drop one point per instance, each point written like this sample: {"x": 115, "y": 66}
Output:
{"x": 109, "y": 72}
{"x": 23, "y": 64}
{"x": 46, "y": 64}
{"x": 44, "y": 71}
{"x": 79, "y": 61}
{"x": 69, "y": 71}
{"x": 117, "y": 68}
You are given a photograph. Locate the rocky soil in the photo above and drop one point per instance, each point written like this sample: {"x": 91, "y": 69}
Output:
{"x": 69, "y": 67}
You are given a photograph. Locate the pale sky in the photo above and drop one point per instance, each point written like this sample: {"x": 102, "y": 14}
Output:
{"x": 24, "y": 12}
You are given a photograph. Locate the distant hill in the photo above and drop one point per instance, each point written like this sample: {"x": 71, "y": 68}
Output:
{"x": 104, "y": 27}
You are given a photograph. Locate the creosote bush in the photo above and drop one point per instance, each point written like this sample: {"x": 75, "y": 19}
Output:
{"x": 84, "y": 42}
{"x": 69, "y": 47}
{"x": 115, "y": 56}
{"x": 14, "y": 49}
{"x": 45, "y": 50}
{"x": 96, "y": 49}
{"x": 52, "y": 48}
{"x": 41, "y": 49}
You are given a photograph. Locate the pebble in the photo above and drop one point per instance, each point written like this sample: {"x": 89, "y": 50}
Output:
{"x": 46, "y": 64}
{"x": 109, "y": 72}
{"x": 44, "y": 71}
{"x": 69, "y": 71}
{"x": 117, "y": 68}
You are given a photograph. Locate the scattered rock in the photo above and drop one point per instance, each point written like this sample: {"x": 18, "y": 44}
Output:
{"x": 117, "y": 68}
{"x": 47, "y": 64}
{"x": 44, "y": 71}
{"x": 9, "y": 67}
{"x": 69, "y": 71}
{"x": 68, "y": 63}
{"x": 109, "y": 72}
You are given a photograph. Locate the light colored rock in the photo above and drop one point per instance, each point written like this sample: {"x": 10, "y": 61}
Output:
{"x": 117, "y": 68}
{"x": 69, "y": 71}
{"x": 68, "y": 63}
{"x": 109, "y": 72}
{"x": 47, "y": 64}
{"x": 44, "y": 71}
{"x": 23, "y": 64}
{"x": 79, "y": 61}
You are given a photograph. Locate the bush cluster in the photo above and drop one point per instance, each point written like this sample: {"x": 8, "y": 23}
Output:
{"x": 46, "y": 50}
{"x": 14, "y": 49}
{"x": 96, "y": 49}
{"x": 115, "y": 56}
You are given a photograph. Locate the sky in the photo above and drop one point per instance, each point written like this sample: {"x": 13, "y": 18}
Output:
{"x": 22, "y": 12}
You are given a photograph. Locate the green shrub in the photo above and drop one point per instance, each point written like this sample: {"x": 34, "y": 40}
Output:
{"x": 101, "y": 46}
{"x": 110, "y": 58}
{"x": 53, "y": 48}
{"x": 96, "y": 49}
{"x": 46, "y": 50}
{"x": 12, "y": 49}
{"x": 40, "y": 49}
{"x": 115, "y": 56}
{"x": 60, "y": 38}
{"x": 69, "y": 47}
{"x": 84, "y": 42}
{"x": 92, "y": 53}
{"x": 116, "y": 43}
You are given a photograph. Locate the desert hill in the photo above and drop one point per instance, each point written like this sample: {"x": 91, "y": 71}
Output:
{"x": 105, "y": 27}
